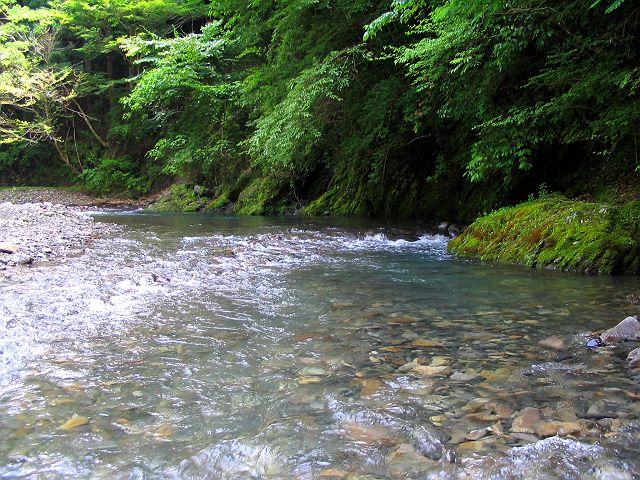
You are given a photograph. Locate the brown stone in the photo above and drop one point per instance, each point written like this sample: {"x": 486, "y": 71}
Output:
{"x": 496, "y": 375}
{"x": 527, "y": 437}
{"x": 496, "y": 429}
{"x": 562, "y": 429}
{"x": 554, "y": 342}
{"x": 432, "y": 372}
{"x": 439, "y": 361}
{"x": 406, "y": 461}
{"x": 370, "y": 386}
{"x": 401, "y": 320}
{"x": 333, "y": 473}
{"x": 526, "y": 422}
{"x": 308, "y": 380}
{"x": 74, "y": 422}
{"x": 370, "y": 435}
{"x": 426, "y": 343}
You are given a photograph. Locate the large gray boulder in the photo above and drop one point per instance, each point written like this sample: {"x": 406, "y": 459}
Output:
{"x": 627, "y": 329}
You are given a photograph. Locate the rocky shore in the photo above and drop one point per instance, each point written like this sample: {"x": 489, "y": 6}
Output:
{"x": 66, "y": 196}
{"x": 32, "y": 233}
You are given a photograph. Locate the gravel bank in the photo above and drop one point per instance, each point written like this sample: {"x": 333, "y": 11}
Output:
{"x": 32, "y": 233}
{"x": 64, "y": 196}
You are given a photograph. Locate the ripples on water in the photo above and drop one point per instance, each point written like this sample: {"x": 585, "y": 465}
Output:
{"x": 218, "y": 347}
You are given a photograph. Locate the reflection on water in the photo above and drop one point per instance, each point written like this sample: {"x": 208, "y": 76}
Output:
{"x": 221, "y": 347}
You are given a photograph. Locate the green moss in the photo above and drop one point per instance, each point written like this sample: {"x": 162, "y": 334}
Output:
{"x": 181, "y": 198}
{"x": 554, "y": 232}
{"x": 261, "y": 197}
{"x": 218, "y": 203}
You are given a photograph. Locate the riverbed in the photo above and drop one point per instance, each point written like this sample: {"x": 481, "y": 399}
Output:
{"x": 193, "y": 346}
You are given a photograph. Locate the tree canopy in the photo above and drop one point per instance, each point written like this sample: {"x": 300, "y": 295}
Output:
{"x": 389, "y": 107}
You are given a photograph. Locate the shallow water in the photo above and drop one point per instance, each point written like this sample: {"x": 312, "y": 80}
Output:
{"x": 218, "y": 347}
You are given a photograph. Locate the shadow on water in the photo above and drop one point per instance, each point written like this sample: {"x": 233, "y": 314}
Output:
{"x": 194, "y": 346}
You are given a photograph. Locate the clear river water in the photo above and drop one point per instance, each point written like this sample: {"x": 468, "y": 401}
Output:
{"x": 194, "y": 347}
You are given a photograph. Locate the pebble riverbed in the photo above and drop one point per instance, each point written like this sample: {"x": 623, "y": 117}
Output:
{"x": 189, "y": 346}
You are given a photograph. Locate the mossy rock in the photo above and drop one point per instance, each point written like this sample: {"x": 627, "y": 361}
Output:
{"x": 219, "y": 203}
{"x": 261, "y": 197}
{"x": 554, "y": 232}
{"x": 181, "y": 198}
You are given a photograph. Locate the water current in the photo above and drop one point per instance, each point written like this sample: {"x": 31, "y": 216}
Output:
{"x": 189, "y": 347}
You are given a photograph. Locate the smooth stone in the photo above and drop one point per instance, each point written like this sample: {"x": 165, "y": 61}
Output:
{"x": 165, "y": 430}
{"x": 496, "y": 375}
{"x": 333, "y": 473}
{"x": 369, "y": 434}
{"x": 309, "y": 380}
{"x": 472, "y": 436}
{"x": 634, "y": 358}
{"x": 407, "y": 367}
{"x": 410, "y": 335}
{"x": 6, "y": 247}
{"x": 438, "y": 418}
{"x": 426, "y": 343}
{"x": 22, "y": 259}
{"x": 370, "y": 386}
{"x": 432, "y": 372}
{"x": 341, "y": 306}
{"x": 526, "y": 422}
{"x": 439, "y": 361}
{"x": 477, "y": 445}
{"x": 598, "y": 410}
{"x": 421, "y": 389}
{"x": 313, "y": 372}
{"x": 476, "y": 405}
{"x": 627, "y": 329}
{"x": 443, "y": 324}
{"x": 405, "y": 462}
{"x": 463, "y": 377}
{"x": 562, "y": 429}
{"x": 496, "y": 429}
{"x": 554, "y": 342}
{"x": 74, "y": 422}
{"x": 527, "y": 437}
{"x": 401, "y": 319}
{"x": 610, "y": 471}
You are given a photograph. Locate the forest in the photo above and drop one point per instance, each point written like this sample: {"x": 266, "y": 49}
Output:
{"x": 388, "y": 108}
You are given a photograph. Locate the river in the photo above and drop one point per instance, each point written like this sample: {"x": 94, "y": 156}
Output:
{"x": 192, "y": 346}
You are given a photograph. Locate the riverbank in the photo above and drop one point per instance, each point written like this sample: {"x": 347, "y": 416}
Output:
{"x": 32, "y": 233}
{"x": 69, "y": 197}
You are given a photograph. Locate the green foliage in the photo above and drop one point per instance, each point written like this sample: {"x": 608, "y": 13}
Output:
{"x": 517, "y": 80}
{"x": 354, "y": 107}
{"x": 115, "y": 176}
{"x": 183, "y": 74}
{"x": 286, "y": 136}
